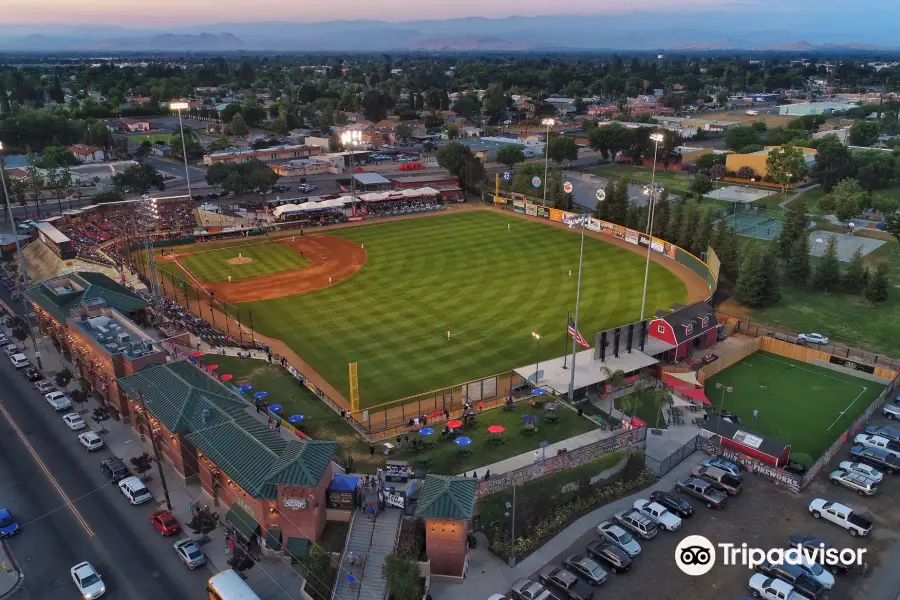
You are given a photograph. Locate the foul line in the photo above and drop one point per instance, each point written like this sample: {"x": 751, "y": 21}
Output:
{"x": 848, "y": 408}
{"x": 47, "y": 473}
{"x": 200, "y": 285}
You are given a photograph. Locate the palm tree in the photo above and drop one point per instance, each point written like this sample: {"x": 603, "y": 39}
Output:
{"x": 615, "y": 379}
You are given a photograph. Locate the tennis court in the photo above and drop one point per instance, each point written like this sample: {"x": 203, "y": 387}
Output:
{"x": 766, "y": 227}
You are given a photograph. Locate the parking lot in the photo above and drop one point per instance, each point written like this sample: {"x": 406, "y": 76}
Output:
{"x": 764, "y": 516}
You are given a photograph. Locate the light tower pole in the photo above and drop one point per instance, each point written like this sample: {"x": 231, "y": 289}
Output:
{"x": 549, "y": 123}
{"x": 178, "y": 107}
{"x": 352, "y": 138}
{"x": 654, "y": 195}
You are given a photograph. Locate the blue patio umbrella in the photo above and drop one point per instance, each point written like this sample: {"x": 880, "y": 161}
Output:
{"x": 426, "y": 431}
{"x": 530, "y": 419}
{"x": 538, "y": 391}
{"x": 260, "y": 395}
{"x": 245, "y": 388}
{"x": 275, "y": 408}
{"x": 296, "y": 419}
{"x": 463, "y": 441}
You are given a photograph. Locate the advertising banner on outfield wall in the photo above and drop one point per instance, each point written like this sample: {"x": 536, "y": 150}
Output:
{"x": 499, "y": 200}
{"x": 607, "y": 227}
{"x": 619, "y": 232}
{"x": 556, "y": 215}
{"x": 631, "y": 236}
{"x": 644, "y": 240}
{"x": 519, "y": 206}
{"x": 531, "y": 209}
{"x": 595, "y": 225}
{"x": 542, "y": 211}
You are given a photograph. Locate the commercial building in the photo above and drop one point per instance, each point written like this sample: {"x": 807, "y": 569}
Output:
{"x": 85, "y": 154}
{"x": 814, "y": 108}
{"x": 275, "y": 153}
{"x": 270, "y": 487}
{"x": 757, "y": 160}
{"x": 486, "y": 148}
{"x": 133, "y": 125}
{"x": 302, "y": 167}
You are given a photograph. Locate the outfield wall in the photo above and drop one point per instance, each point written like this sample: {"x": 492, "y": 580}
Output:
{"x": 706, "y": 272}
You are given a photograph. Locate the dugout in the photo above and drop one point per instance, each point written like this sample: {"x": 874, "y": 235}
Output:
{"x": 746, "y": 443}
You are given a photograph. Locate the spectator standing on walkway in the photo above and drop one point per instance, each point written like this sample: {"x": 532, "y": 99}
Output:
{"x": 371, "y": 450}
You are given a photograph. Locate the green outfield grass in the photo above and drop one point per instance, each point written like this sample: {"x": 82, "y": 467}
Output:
{"x": 140, "y": 138}
{"x": 799, "y": 404}
{"x": 464, "y": 273}
{"x": 267, "y": 259}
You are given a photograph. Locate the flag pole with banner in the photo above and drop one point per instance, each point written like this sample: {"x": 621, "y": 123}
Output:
{"x": 566, "y": 351}
{"x": 576, "y": 335}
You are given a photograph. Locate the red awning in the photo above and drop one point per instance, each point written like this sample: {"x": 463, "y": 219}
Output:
{"x": 697, "y": 395}
{"x": 676, "y": 383}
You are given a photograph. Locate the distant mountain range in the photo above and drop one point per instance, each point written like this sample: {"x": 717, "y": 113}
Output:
{"x": 682, "y": 31}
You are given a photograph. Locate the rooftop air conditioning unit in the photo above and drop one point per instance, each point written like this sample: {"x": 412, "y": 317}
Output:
{"x": 113, "y": 348}
{"x": 123, "y": 338}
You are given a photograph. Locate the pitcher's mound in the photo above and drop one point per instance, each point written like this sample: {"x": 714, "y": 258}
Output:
{"x": 243, "y": 260}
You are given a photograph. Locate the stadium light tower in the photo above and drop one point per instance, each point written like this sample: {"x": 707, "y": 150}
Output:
{"x": 351, "y": 138}
{"x": 537, "y": 362}
{"x": 147, "y": 217}
{"x": 179, "y": 107}
{"x": 549, "y": 123}
{"x": 654, "y": 192}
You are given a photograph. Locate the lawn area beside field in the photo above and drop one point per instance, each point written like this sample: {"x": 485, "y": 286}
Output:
{"x": 674, "y": 182}
{"x": 467, "y": 274}
{"x": 322, "y": 423}
{"x": 265, "y": 259}
{"x": 799, "y": 403}
{"x": 642, "y": 407}
{"x": 140, "y": 138}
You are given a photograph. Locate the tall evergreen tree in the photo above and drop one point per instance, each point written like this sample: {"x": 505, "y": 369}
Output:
{"x": 750, "y": 289}
{"x": 673, "y": 227}
{"x": 794, "y": 227}
{"x": 719, "y": 236}
{"x": 877, "y": 289}
{"x": 854, "y": 281}
{"x": 602, "y": 210}
{"x": 661, "y": 215}
{"x": 633, "y": 218}
{"x": 730, "y": 256}
{"x": 798, "y": 260}
{"x": 772, "y": 287}
{"x": 828, "y": 273}
{"x": 688, "y": 225}
{"x": 618, "y": 207}
{"x": 703, "y": 232}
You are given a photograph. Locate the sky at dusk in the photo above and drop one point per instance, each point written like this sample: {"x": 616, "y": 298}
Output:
{"x": 174, "y": 12}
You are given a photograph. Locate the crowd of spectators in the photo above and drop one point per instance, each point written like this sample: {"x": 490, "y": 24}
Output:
{"x": 175, "y": 313}
{"x": 401, "y": 207}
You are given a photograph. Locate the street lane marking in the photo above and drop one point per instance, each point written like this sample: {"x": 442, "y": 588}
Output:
{"x": 47, "y": 473}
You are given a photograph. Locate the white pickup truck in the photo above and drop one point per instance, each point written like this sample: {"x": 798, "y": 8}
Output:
{"x": 840, "y": 515}
{"x": 876, "y": 441}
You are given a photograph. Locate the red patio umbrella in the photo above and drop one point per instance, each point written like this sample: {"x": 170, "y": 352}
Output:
{"x": 212, "y": 367}
{"x": 454, "y": 424}
{"x": 226, "y": 377}
{"x": 197, "y": 354}
{"x": 496, "y": 429}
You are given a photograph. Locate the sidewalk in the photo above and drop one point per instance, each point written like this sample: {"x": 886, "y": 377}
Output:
{"x": 489, "y": 574}
{"x": 10, "y": 574}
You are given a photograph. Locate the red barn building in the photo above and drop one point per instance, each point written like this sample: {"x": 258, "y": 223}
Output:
{"x": 692, "y": 326}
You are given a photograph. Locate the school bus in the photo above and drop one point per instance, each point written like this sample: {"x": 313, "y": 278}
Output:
{"x": 228, "y": 585}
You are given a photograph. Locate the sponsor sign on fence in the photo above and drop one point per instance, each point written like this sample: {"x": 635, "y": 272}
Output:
{"x": 561, "y": 462}
{"x": 779, "y": 476}
{"x": 851, "y": 364}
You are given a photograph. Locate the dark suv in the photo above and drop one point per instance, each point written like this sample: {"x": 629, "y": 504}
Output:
{"x": 881, "y": 459}
{"x": 803, "y": 584}
{"x": 114, "y": 469}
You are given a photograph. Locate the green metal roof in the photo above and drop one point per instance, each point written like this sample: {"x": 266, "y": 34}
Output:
{"x": 445, "y": 497}
{"x": 243, "y": 521}
{"x": 220, "y": 425}
{"x": 94, "y": 285}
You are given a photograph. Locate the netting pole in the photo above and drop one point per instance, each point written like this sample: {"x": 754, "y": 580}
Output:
{"x": 240, "y": 328}
{"x": 252, "y": 337}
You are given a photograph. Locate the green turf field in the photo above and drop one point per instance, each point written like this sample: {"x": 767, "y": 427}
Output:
{"x": 799, "y": 403}
{"x": 464, "y": 273}
{"x": 140, "y": 138}
{"x": 267, "y": 259}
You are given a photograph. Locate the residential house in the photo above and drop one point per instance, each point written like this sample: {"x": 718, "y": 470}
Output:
{"x": 134, "y": 125}
{"x": 87, "y": 154}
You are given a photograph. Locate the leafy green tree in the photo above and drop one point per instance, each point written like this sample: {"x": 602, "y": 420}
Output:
{"x": 461, "y": 163}
{"x": 786, "y": 164}
{"x": 59, "y": 180}
{"x": 701, "y": 185}
{"x": 239, "y": 125}
{"x": 706, "y": 161}
{"x": 467, "y": 106}
{"x": 703, "y": 232}
{"x": 403, "y": 577}
{"x": 57, "y": 156}
{"x": 863, "y": 132}
{"x": 737, "y": 138}
{"x": 510, "y": 155}
{"x": 833, "y": 162}
{"x": 879, "y": 285}
{"x": 874, "y": 169}
{"x": 892, "y": 225}
{"x": 34, "y": 180}
{"x": 452, "y": 131}
{"x": 798, "y": 261}
{"x": 617, "y": 204}
{"x": 191, "y": 144}
{"x": 828, "y": 273}
{"x": 854, "y": 280}
{"x": 562, "y": 148}
{"x": 138, "y": 179}
{"x": 107, "y": 196}
{"x": 846, "y": 200}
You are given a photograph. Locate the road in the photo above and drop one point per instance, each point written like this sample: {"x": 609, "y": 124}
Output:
{"x": 135, "y": 562}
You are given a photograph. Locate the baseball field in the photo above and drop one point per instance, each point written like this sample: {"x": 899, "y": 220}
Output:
{"x": 464, "y": 274}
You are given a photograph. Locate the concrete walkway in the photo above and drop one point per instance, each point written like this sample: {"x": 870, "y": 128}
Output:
{"x": 797, "y": 193}
{"x": 10, "y": 574}
{"x": 489, "y": 574}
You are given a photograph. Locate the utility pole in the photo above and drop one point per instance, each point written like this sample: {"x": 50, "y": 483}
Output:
{"x": 153, "y": 442}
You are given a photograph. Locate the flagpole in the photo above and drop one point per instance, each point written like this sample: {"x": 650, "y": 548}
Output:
{"x": 566, "y": 350}
{"x": 577, "y": 308}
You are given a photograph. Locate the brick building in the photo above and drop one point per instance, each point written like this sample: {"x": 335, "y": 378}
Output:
{"x": 273, "y": 488}
{"x": 447, "y": 505}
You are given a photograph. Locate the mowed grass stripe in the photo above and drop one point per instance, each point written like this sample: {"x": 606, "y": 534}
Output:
{"x": 266, "y": 259}
{"x": 490, "y": 287}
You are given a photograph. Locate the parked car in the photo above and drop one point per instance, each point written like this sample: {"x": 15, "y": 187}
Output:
{"x": 612, "y": 533}
{"x": 19, "y": 361}
{"x": 884, "y": 460}
{"x": 891, "y": 433}
{"x": 793, "y": 576}
{"x": 721, "y": 479}
{"x": 814, "y": 543}
{"x": 817, "y": 572}
{"x": 702, "y": 490}
{"x": 566, "y": 582}
{"x": 616, "y": 559}
{"x": 8, "y": 525}
{"x": 586, "y": 568}
{"x": 114, "y": 469}
{"x": 891, "y": 411}
{"x": 43, "y": 386}
{"x": 58, "y": 401}
{"x": 31, "y": 374}
{"x": 724, "y": 464}
{"x": 636, "y": 523}
{"x": 11, "y": 349}
{"x": 770, "y": 588}
{"x": 135, "y": 490}
{"x": 812, "y": 338}
{"x": 189, "y": 553}
{"x": 840, "y": 515}
{"x": 658, "y": 514}
{"x": 74, "y": 421}
{"x": 527, "y": 589}
{"x": 165, "y": 523}
{"x": 87, "y": 580}
{"x": 864, "y": 469}
{"x": 876, "y": 441}
{"x": 675, "y": 503}
{"x": 91, "y": 441}
{"x": 859, "y": 483}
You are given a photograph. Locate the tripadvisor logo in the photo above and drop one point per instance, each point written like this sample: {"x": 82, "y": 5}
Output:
{"x": 696, "y": 555}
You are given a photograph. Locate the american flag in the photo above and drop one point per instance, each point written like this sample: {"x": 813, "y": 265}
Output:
{"x": 576, "y": 335}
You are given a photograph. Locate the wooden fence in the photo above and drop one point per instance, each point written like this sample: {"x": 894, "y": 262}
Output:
{"x": 727, "y": 357}
{"x": 788, "y": 350}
